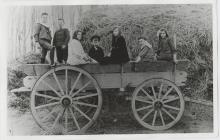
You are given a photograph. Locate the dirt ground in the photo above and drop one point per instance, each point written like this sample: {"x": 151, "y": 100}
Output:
{"x": 196, "y": 119}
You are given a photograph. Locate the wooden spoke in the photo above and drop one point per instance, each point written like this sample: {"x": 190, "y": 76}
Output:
{"x": 51, "y": 88}
{"x": 143, "y": 100}
{"x": 167, "y": 93}
{"x": 155, "y": 96}
{"x": 74, "y": 118}
{"x": 50, "y": 113}
{"x": 58, "y": 83}
{"x": 56, "y": 120}
{"x": 66, "y": 80}
{"x": 86, "y": 96}
{"x": 171, "y": 107}
{"x": 47, "y": 96}
{"x": 145, "y": 92}
{"x": 161, "y": 117}
{"x": 87, "y": 117}
{"x": 145, "y": 107}
{"x": 170, "y": 100}
{"x": 75, "y": 83}
{"x": 147, "y": 114}
{"x": 46, "y": 105}
{"x": 154, "y": 119}
{"x": 171, "y": 116}
{"x": 66, "y": 119}
{"x": 85, "y": 104}
{"x": 81, "y": 88}
{"x": 160, "y": 91}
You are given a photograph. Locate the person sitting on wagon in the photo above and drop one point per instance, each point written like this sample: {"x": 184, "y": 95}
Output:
{"x": 166, "y": 50}
{"x": 96, "y": 51}
{"x": 60, "y": 41}
{"x": 76, "y": 53}
{"x": 144, "y": 52}
{"x": 119, "y": 53}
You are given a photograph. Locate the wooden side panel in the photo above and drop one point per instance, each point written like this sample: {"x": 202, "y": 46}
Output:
{"x": 134, "y": 79}
{"x": 158, "y": 66}
{"x": 112, "y": 80}
{"x": 101, "y": 69}
{"x": 29, "y": 82}
{"x": 35, "y": 69}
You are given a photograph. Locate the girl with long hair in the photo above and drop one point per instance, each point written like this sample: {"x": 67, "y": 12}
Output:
{"x": 76, "y": 53}
{"x": 166, "y": 50}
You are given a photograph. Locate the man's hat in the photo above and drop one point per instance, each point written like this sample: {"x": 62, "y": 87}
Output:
{"x": 95, "y": 36}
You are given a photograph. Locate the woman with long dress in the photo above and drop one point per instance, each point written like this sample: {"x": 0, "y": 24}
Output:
{"x": 76, "y": 54}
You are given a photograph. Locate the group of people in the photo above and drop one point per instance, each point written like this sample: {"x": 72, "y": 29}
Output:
{"x": 70, "y": 51}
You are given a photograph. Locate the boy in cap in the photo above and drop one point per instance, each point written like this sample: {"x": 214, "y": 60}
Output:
{"x": 60, "y": 41}
{"x": 42, "y": 35}
{"x": 96, "y": 51}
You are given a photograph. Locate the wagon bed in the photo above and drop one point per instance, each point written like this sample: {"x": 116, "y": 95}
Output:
{"x": 108, "y": 76}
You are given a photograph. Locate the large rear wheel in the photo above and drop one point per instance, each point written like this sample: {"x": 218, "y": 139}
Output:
{"x": 66, "y": 100}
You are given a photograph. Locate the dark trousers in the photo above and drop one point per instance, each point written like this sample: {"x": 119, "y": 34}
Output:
{"x": 46, "y": 46}
{"x": 62, "y": 54}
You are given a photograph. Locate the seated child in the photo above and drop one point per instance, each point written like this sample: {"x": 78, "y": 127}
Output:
{"x": 144, "y": 52}
{"x": 96, "y": 51}
{"x": 166, "y": 50}
{"x": 76, "y": 53}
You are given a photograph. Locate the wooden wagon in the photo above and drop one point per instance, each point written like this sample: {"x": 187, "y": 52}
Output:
{"x": 68, "y": 99}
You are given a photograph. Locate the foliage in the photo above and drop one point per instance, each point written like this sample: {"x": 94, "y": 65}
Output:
{"x": 192, "y": 25}
{"x": 15, "y": 76}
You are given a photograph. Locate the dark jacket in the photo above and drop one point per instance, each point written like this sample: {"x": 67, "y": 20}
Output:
{"x": 61, "y": 37}
{"x": 42, "y": 32}
{"x": 119, "y": 53}
{"x": 96, "y": 53}
{"x": 166, "y": 47}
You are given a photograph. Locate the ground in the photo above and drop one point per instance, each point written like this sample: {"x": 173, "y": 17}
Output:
{"x": 196, "y": 119}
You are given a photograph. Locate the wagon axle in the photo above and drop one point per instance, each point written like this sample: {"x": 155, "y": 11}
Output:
{"x": 66, "y": 101}
{"x": 157, "y": 105}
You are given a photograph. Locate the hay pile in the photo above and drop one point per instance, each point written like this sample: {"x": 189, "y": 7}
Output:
{"x": 192, "y": 25}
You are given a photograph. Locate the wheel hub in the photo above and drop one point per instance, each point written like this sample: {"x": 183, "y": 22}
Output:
{"x": 158, "y": 105}
{"x": 66, "y": 101}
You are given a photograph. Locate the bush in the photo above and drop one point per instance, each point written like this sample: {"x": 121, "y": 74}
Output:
{"x": 19, "y": 101}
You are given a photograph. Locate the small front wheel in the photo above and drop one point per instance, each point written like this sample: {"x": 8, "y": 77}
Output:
{"x": 157, "y": 104}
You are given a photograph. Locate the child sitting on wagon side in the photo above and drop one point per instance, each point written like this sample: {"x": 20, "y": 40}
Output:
{"x": 144, "y": 52}
{"x": 96, "y": 51}
{"x": 166, "y": 50}
{"x": 76, "y": 53}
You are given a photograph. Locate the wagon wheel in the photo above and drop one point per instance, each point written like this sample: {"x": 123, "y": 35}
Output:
{"x": 157, "y": 104}
{"x": 66, "y": 100}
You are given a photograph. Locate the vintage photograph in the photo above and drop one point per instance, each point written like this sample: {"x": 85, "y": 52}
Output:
{"x": 110, "y": 69}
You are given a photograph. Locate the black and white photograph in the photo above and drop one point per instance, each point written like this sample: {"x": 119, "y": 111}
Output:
{"x": 119, "y": 69}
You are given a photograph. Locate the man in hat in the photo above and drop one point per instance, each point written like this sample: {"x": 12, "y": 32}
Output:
{"x": 42, "y": 35}
{"x": 96, "y": 51}
{"x": 60, "y": 41}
